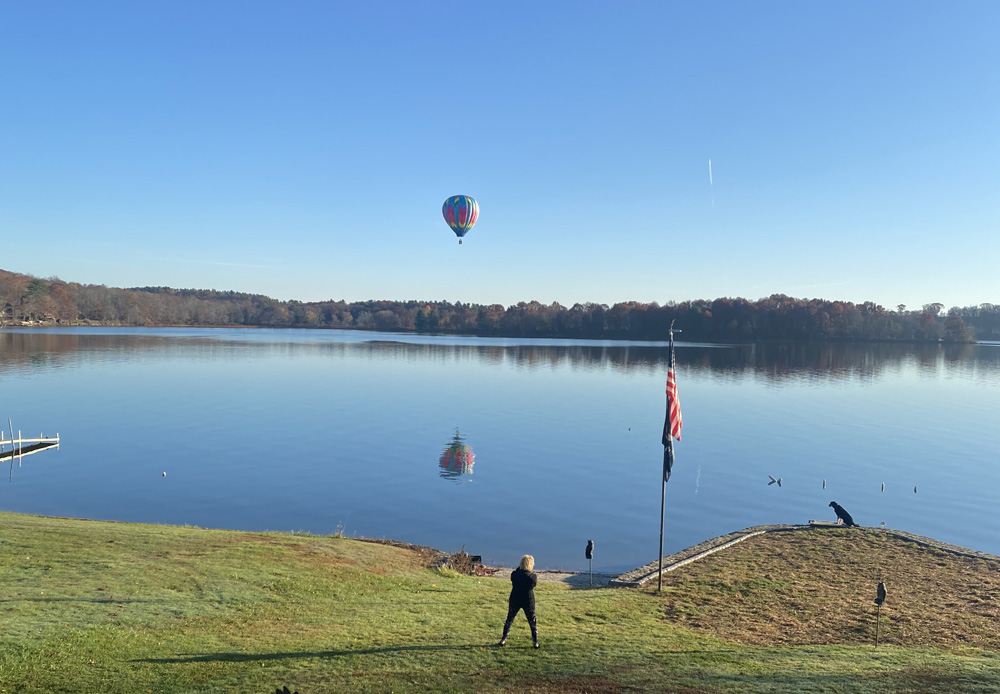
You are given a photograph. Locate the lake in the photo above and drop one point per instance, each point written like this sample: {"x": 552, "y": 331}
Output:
{"x": 557, "y": 441}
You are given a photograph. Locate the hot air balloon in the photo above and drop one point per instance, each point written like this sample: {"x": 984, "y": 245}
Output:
{"x": 461, "y": 213}
{"x": 457, "y": 459}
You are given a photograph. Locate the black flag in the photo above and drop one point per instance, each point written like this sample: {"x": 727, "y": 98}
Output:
{"x": 880, "y": 593}
{"x": 668, "y": 460}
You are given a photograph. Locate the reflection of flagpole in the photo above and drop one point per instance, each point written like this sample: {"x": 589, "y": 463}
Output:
{"x": 671, "y": 428}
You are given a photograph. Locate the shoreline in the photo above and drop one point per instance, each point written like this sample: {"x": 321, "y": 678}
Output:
{"x": 580, "y": 579}
{"x": 651, "y": 342}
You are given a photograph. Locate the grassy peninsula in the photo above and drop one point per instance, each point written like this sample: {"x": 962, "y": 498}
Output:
{"x": 93, "y": 606}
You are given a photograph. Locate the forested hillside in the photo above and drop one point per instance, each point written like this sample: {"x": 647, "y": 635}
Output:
{"x": 27, "y": 300}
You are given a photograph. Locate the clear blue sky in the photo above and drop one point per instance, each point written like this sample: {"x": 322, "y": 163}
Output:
{"x": 303, "y": 149}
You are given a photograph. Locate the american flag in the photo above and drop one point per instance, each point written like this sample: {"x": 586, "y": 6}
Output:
{"x": 672, "y": 423}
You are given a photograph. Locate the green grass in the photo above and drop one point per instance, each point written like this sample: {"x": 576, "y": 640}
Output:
{"x": 108, "y": 607}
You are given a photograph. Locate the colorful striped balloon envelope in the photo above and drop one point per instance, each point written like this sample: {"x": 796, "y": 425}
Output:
{"x": 461, "y": 213}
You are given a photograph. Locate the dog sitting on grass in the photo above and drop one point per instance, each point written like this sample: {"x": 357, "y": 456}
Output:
{"x": 842, "y": 515}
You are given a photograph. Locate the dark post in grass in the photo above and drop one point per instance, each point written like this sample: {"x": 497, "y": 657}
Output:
{"x": 878, "y": 614}
{"x": 590, "y": 556}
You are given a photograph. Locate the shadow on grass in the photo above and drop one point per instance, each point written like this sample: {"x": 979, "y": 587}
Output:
{"x": 248, "y": 657}
{"x": 96, "y": 601}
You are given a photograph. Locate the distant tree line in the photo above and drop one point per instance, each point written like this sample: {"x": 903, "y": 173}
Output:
{"x": 26, "y": 300}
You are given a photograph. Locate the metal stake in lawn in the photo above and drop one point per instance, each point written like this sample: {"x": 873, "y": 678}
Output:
{"x": 878, "y": 614}
{"x": 668, "y": 450}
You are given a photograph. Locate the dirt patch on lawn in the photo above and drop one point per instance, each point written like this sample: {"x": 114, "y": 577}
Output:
{"x": 420, "y": 556}
{"x": 340, "y": 552}
{"x": 820, "y": 587}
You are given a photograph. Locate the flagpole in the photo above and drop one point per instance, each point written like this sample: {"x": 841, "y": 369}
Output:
{"x": 669, "y": 455}
{"x": 663, "y": 501}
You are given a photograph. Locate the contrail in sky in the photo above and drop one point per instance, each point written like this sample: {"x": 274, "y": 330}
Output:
{"x": 710, "y": 184}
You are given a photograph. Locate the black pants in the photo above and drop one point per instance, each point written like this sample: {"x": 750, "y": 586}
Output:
{"x": 529, "y": 612}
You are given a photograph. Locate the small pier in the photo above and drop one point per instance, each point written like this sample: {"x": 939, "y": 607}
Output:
{"x": 21, "y": 446}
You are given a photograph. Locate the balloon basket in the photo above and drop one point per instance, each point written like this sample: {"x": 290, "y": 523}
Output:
{"x": 460, "y": 242}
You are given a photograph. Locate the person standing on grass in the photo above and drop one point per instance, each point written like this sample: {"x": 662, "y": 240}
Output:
{"x": 522, "y": 597}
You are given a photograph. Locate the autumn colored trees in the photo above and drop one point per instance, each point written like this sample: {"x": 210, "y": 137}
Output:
{"x": 31, "y": 300}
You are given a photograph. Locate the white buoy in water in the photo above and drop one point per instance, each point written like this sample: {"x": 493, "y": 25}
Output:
{"x": 824, "y": 484}
{"x": 164, "y": 474}
{"x": 883, "y": 486}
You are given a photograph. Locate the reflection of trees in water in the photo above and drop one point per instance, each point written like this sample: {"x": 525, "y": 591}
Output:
{"x": 25, "y": 350}
{"x": 771, "y": 361}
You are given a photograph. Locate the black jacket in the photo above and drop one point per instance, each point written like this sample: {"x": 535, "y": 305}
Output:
{"x": 522, "y": 590}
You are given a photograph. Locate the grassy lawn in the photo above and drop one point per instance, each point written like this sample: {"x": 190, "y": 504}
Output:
{"x": 107, "y": 607}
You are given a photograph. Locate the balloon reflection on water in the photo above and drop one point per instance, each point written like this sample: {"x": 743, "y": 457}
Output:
{"x": 457, "y": 459}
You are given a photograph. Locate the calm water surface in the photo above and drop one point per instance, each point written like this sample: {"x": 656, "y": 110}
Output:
{"x": 559, "y": 440}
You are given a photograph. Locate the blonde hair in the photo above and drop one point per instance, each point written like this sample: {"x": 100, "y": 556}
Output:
{"x": 527, "y": 562}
